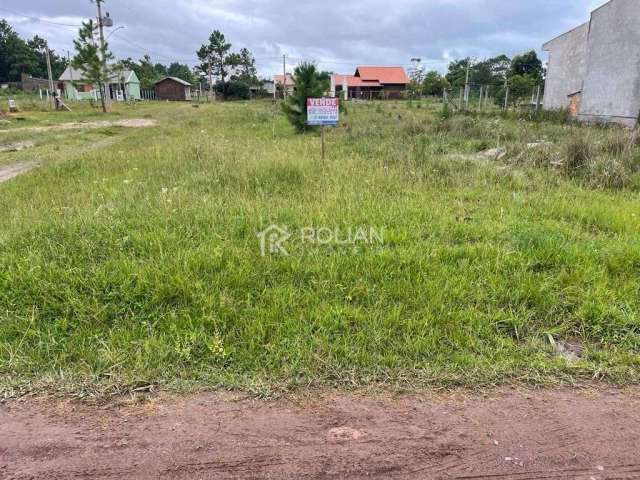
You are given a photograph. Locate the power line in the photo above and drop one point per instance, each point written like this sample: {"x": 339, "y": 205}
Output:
{"x": 38, "y": 19}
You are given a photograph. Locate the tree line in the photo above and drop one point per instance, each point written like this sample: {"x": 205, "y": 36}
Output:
{"x": 149, "y": 72}
{"x": 522, "y": 73}
{"x": 228, "y": 73}
{"x": 18, "y": 56}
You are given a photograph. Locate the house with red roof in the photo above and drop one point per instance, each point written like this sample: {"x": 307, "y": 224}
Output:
{"x": 287, "y": 81}
{"x": 369, "y": 82}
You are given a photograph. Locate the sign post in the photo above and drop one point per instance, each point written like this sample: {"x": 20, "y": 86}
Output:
{"x": 322, "y": 112}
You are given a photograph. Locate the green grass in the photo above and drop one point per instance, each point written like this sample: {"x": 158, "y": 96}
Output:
{"x": 136, "y": 260}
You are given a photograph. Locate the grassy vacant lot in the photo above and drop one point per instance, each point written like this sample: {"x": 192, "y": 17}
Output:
{"x": 130, "y": 256}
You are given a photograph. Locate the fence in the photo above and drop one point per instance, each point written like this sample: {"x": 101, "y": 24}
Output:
{"x": 148, "y": 94}
{"x": 473, "y": 97}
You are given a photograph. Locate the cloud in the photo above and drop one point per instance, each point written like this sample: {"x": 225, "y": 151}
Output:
{"x": 337, "y": 35}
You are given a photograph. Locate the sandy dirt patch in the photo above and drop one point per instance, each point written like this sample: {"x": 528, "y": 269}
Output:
{"x": 513, "y": 435}
{"x": 15, "y": 147}
{"x": 128, "y": 123}
{"x": 10, "y": 171}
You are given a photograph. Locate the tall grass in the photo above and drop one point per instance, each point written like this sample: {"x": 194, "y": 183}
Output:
{"x": 137, "y": 261}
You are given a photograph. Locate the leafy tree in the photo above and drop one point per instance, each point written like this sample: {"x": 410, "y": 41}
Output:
{"x": 91, "y": 59}
{"x": 457, "y": 73}
{"x": 521, "y": 87}
{"x": 310, "y": 83}
{"x": 181, "y": 71}
{"x": 527, "y": 64}
{"x": 146, "y": 72}
{"x": 434, "y": 83}
{"x": 18, "y": 56}
{"x": 15, "y": 55}
{"x": 499, "y": 67}
{"x": 38, "y": 45}
{"x": 160, "y": 70}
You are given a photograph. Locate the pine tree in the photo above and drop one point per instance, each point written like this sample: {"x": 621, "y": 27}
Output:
{"x": 309, "y": 84}
{"x": 90, "y": 59}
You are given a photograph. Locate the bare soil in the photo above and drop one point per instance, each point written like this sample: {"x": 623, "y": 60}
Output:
{"x": 128, "y": 123}
{"x": 561, "y": 434}
{"x": 10, "y": 171}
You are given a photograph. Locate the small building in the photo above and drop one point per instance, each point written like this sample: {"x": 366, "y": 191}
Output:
{"x": 174, "y": 89}
{"x": 371, "y": 82}
{"x": 123, "y": 85}
{"x": 33, "y": 84}
{"x": 268, "y": 86}
{"x": 288, "y": 81}
{"x": 593, "y": 69}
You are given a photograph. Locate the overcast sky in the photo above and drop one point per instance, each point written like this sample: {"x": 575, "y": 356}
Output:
{"x": 336, "y": 35}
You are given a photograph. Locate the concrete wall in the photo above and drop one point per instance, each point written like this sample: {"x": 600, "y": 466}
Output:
{"x": 612, "y": 82}
{"x": 567, "y": 66}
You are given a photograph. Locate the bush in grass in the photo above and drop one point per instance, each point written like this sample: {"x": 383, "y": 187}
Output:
{"x": 607, "y": 172}
{"x": 234, "y": 90}
{"x": 577, "y": 154}
{"x": 309, "y": 84}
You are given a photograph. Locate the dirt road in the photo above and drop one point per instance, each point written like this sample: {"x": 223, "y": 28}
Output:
{"x": 509, "y": 435}
{"x": 128, "y": 123}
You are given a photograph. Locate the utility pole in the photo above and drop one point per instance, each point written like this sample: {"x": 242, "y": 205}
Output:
{"x": 50, "y": 74}
{"x": 104, "y": 87}
{"x": 284, "y": 76}
{"x": 70, "y": 74}
{"x": 506, "y": 94}
{"x": 466, "y": 86}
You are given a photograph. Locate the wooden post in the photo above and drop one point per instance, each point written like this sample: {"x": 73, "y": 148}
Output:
{"x": 538, "y": 99}
{"x": 284, "y": 76}
{"x": 506, "y": 94}
{"x": 50, "y": 75}
{"x": 480, "y": 101}
{"x": 322, "y": 141}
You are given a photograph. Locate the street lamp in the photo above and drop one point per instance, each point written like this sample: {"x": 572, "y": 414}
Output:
{"x": 114, "y": 31}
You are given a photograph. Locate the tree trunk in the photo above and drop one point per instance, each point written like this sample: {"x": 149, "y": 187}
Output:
{"x": 103, "y": 94}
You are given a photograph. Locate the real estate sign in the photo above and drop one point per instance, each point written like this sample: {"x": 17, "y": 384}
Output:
{"x": 323, "y": 111}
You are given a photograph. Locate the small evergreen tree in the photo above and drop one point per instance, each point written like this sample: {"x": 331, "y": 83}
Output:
{"x": 91, "y": 58}
{"x": 309, "y": 84}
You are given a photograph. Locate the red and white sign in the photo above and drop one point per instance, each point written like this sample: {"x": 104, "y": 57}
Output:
{"x": 323, "y": 111}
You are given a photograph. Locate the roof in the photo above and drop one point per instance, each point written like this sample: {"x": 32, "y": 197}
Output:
{"x": 175, "y": 79}
{"x": 353, "y": 81}
{"x": 74, "y": 74}
{"x": 279, "y": 78}
{"x": 384, "y": 75}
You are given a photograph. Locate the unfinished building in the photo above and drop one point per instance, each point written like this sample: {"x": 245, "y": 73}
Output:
{"x": 594, "y": 69}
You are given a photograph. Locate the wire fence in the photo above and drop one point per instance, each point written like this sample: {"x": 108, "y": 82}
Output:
{"x": 474, "y": 97}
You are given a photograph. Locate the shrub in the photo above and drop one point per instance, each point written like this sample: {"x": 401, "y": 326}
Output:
{"x": 617, "y": 143}
{"x": 607, "y": 172}
{"x": 577, "y": 154}
{"x": 234, "y": 90}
